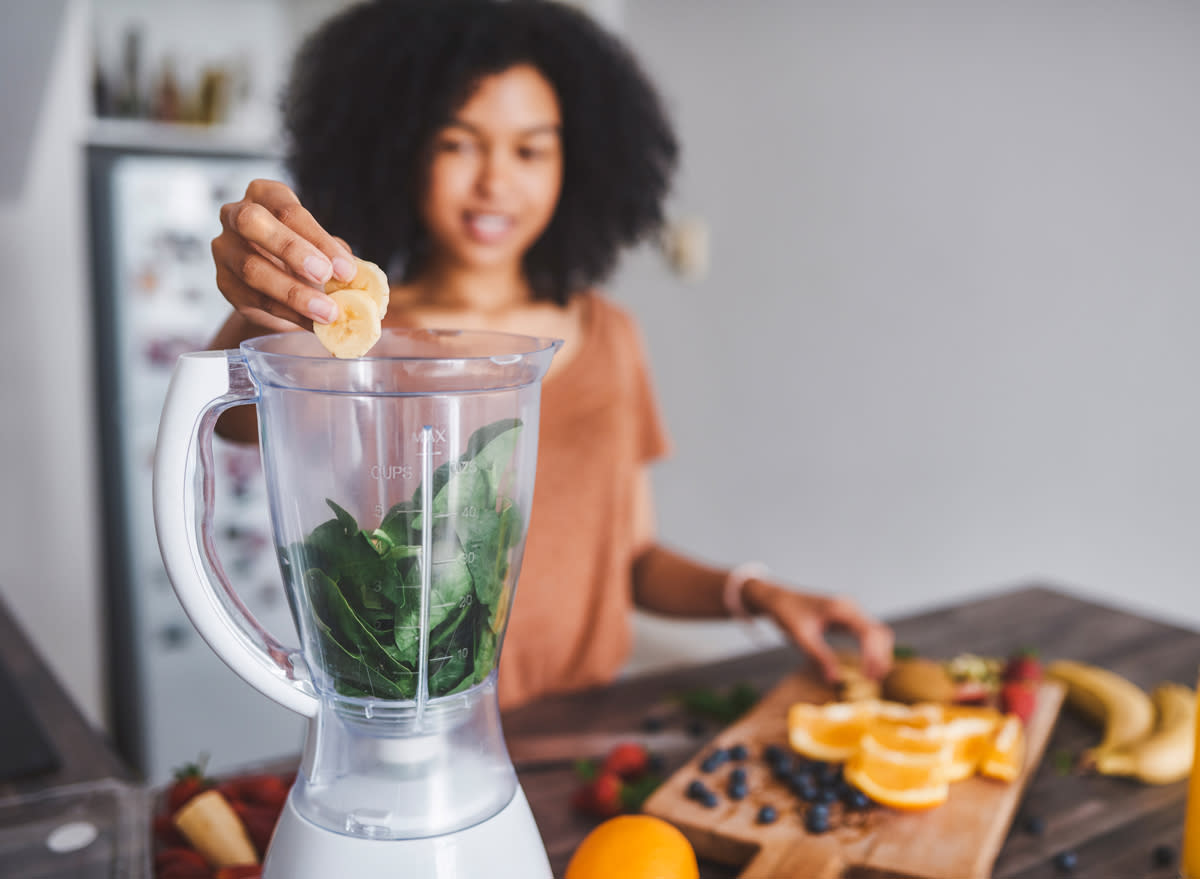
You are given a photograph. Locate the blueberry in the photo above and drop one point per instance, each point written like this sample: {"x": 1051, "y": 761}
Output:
{"x": 804, "y": 787}
{"x": 782, "y": 768}
{"x": 767, "y": 815}
{"x": 1163, "y": 855}
{"x": 826, "y": 795}
{"x": 652, "y": 723}
{"x": 709, "y": 799}
{"x": 816, "y": 820}
{"x": 829, "y": 773}
{"x": 773, "y": 754}
{"x": 696, "y": 790}
{"x": 738, "y": 752}
{"x": 737, "y": 790}
{"x": 738, "y": 775}
{"x": 1035, "y": 826}
{"x": 856, "y": 800}
{"x": 1066, "y": 861}
{"x": 715, "y": 759}
{"x": 801, "y": 776}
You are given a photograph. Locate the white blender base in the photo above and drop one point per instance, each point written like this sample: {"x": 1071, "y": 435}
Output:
{"x": 506, "y": 846}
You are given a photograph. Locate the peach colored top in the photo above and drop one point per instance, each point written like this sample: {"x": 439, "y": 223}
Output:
{"x": 571, "y": 623}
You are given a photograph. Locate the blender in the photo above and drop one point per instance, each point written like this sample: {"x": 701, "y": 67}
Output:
{"x": 399, "y": 487}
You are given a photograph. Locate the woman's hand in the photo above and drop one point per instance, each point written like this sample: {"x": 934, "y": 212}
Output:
{"x": 806, "y": 618}
{"x": 273, "y": 259}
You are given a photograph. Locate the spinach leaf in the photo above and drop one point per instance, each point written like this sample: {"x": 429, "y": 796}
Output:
{"x": 453, "y": 661}
{"x": 354, "y": 676}
{"x": 364, "y": 588}
{"x": 486, "y": 642}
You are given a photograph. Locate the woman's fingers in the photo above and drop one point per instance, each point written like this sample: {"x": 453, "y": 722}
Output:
{"x": 275, "y": 310}
{"x": 877, "y": 644}
{"x": 874, "y": 638}
{"x": 809, "y": 633}
{"x": 264, "y": 275}
{"x": 272, "y": 217}
{"x": 271, "y": 243}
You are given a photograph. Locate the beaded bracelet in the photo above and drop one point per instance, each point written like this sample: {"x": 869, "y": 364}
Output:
{"x": 735, "y": 582}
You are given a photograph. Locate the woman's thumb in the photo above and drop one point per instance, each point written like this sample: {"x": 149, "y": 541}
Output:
{"x": 814, "y": 644}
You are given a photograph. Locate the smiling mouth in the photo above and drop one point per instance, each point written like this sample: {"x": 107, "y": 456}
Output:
{"x": 488, "y": 228}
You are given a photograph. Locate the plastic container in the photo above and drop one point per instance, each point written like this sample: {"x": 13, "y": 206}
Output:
{"x": 92, "y": 830}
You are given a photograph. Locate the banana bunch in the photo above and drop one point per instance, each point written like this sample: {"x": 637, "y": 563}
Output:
{"x": 1148, "y": 736}
{"x": 362, "y": 302}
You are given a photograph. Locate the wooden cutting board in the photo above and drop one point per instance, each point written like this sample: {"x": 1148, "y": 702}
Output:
{"x": 959, "y": 839}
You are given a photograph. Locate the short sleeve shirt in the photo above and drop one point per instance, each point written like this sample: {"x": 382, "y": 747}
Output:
{"x": 571, "y": 622}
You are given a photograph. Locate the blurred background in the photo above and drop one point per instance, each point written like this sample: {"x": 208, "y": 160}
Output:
{"x": 924, "y": 325}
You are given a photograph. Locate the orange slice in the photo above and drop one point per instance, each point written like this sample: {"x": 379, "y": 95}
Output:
{"x": 830, "y": 732}
{"x": 896, "y": 784}
{"x": 971, "y": 737}
{"x": 833, "y": 731}
{"x": 1005, "y": 755}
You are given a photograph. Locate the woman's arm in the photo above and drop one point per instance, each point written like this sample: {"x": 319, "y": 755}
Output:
{"x": 240, "y": 423}
{"x": 272, "y": 260}
{"x": 672, "y": 584}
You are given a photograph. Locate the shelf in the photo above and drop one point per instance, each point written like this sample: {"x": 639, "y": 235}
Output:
{"x": 145, "y": 134}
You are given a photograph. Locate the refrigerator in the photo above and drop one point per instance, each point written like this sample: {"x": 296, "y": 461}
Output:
{"x": 152, "y": 216}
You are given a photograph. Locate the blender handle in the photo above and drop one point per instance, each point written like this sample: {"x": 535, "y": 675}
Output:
{"x": 204, "y": 385}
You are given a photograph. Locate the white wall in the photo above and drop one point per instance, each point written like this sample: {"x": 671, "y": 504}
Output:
{"x": 950, "y": 336}
{"x": 947, "y": 341}
{"x": 50, "y": 573}
{"x": 50, "y": 559}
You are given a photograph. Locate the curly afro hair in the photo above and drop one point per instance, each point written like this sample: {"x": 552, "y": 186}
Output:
{"x": 370, "y": 89}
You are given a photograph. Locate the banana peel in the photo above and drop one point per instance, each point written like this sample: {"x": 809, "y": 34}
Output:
{"x": 1166, "y": 755}
{"x": 1146, "y": 736}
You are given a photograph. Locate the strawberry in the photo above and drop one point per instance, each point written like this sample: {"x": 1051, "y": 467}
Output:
{"x": 178, "y": 855}
{"x": 971, "y": 693}
{"x": 189, "y": 781}
{"x": 600, "y": 797}
{"x": 627, "y": 761}
{"x": 184, "y": 871}
{"x": 1023, "y": 666}
{"x": 258, "y": 790}
{"x": 241, "y": 871}
{"x": 1019, "y": 698}
{"x": 166, "y": 832}
{"x": 259, "y": 821}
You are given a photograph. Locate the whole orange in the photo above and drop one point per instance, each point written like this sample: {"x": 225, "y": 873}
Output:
{"x": 634, "y": 847}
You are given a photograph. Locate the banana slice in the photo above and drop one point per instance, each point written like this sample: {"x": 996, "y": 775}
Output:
{"x": 356, "y": 328}
{"x": 369, "y": 278}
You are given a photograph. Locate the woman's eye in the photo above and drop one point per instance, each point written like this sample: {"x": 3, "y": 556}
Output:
{"x": 531, "y": 153}
{"x": 455, "y": 146}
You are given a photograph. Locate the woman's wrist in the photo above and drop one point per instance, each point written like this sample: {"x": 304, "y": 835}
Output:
{"x": 757, "y": 594}
{"x": 737, "y": 603}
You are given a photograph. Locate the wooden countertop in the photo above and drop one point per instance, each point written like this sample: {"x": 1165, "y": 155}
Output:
{"x": 1111, "y": 824}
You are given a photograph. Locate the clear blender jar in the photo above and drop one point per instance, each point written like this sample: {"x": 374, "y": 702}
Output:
{"x": 400, "y": 487}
